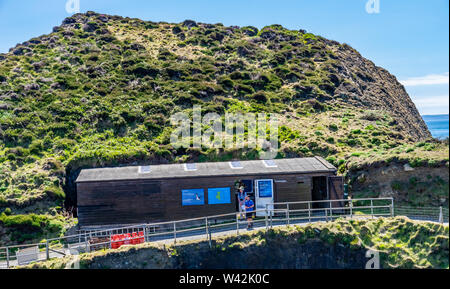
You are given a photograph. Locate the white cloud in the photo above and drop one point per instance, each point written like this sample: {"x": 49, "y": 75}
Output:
{"x": 431, "y": 79}
{"x": 432, "y": 104}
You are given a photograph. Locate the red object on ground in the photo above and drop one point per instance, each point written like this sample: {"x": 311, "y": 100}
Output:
{"x": 135, "y": 239}
{"x": 127, "y": 239}
{"x": 120, "y": 237}
{"x": 114, "y": 242}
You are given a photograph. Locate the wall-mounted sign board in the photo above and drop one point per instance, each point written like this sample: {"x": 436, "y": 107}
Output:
{"x": 219, "y": 196}
{"x": 192, "y": 197}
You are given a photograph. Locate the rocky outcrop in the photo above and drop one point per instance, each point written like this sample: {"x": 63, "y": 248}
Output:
{"x": 373, "y": 87}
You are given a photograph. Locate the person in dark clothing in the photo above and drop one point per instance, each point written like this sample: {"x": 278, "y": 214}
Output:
{"x": 249, "y": 209}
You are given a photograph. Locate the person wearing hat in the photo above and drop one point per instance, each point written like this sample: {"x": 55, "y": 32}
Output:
{"x": 241, "y": 195}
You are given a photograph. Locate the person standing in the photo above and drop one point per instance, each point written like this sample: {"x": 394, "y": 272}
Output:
{"x": 241, "y": 199}
{"x": 249, "y": 209}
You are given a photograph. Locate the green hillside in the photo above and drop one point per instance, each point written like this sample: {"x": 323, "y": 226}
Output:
{"x": 99, "y": 91}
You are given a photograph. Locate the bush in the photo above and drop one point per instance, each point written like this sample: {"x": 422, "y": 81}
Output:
{"x": 333, "y": 127}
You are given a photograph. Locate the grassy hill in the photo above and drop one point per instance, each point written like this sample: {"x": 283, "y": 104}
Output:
{"x": 99, "y": 91}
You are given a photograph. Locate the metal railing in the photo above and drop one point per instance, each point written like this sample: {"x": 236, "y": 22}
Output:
{"x": 434, "y": 214}
{"x": 274, "y": 214}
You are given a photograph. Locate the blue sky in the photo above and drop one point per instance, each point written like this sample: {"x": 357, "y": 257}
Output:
{"x": 407, "y": 37}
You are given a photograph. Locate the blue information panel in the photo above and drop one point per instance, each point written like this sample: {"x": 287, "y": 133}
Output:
{"x": 265, "y": 188}
{"x": 193, "y": 197}
{"x": 219, "y": 196}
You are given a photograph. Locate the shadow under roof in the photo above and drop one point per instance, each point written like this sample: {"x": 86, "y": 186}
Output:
{"x": 207, "y": 169}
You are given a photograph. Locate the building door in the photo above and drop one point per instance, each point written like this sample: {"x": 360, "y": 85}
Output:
{"x": 319, "y": 192}
{"x": 336, "y": 190}
{"x": 263, "y": 196}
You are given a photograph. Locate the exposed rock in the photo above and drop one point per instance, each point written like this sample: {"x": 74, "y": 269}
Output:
{"x": 32, "y": 86}
{"x": 189, "y": 23}
{"x": 408, "y": 168}
{"x": 90, "y": 27}
{"x": 250, "y": 30}
{"x": 103, "y": 18}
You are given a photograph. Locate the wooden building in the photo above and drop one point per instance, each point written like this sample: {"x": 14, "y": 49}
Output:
{"x": 148, "y": 194}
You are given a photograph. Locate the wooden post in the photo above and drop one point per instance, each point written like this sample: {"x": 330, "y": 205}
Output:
{"x": 441, "y": 216}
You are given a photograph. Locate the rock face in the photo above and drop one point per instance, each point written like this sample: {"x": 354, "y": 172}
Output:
{"x": 375, "y": 88}
{"x": 313, "y": 254}
{"x": 418, "y": 186}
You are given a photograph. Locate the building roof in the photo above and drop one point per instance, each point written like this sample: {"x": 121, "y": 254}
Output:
{"x": 208, "y": 169}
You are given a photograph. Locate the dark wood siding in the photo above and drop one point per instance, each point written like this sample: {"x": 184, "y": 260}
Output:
{"x": 294, "y": 189}
{"x": 120, "y": 202}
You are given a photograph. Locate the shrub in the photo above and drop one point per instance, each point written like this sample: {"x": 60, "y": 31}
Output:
{"x": 333, "y": 127}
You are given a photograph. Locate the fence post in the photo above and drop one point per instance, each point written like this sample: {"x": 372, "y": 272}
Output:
{"x": 287, "y": 213}
{"x": 266, "y": 217}
{"x": 371, "y": 207}
{"x": 309, "y": 211}
{"x": 237, "y": 223}
{"x": 174, "y": 232}
{"x": 209, "y": 238}
{"x": 271, "y": 220}
{"x": 326, "y": 214}
{"x": 7, "y": 257}
{"x": 206, "y": 221}
{"x": 392, "y": 207}
{"x": 351, "y": 208}
{"x": 441, "y": 217}
{"x": 47, "y": 251}
{"x": 331, "y": 213}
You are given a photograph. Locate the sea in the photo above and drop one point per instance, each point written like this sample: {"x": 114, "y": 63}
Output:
{"x": 437, "y": 124}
